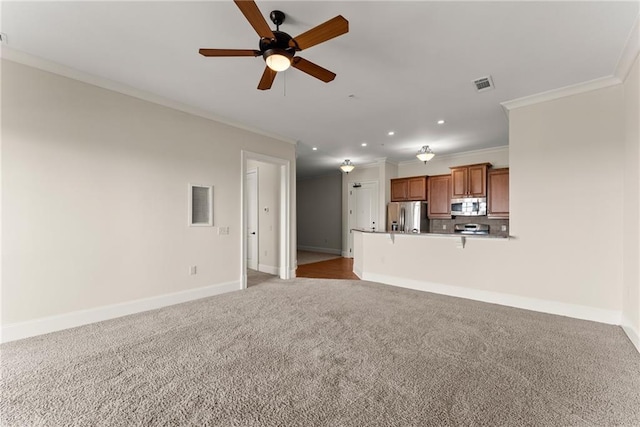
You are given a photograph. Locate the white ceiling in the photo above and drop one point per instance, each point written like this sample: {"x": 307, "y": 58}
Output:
{"x": 401, "y": 67}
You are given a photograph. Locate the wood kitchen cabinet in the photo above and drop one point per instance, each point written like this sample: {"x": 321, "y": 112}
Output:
{"x": 439, "y": 196}
{"x": 469, "y": 181}
{"x": 498, "y": 193}
{"x": 413, "y": 188}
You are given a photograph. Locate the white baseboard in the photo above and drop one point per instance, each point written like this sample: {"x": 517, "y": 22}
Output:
{"x": 633, "y": 335}
{"x": 357, "y": 272}
{"x": 612, "y": 317}
{"x": 346, "y": 255}
{"x": 45, "y": 325}
{"x": 270, "y": 269}
{"x": 321, "y": 250}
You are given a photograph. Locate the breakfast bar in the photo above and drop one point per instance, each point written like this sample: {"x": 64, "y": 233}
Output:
{"x": 468, "y": 266}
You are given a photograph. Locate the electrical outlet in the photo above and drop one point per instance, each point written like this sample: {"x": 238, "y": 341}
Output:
{"x": 444, "y": 226}
{"x": 504, "y": 228}
{"x": 223, "y": 230}
{"x": 193, "y": 270}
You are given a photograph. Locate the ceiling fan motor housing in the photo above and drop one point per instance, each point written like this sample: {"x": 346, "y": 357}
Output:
{"x": 278, "y": 45}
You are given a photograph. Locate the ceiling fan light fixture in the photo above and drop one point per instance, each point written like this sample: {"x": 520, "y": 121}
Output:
{"x": 278, "y": 59}
{"x": 425, "y": 154}
{"x": 347, "y": 166}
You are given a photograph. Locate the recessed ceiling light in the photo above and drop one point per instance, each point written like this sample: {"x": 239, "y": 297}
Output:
{"x": 364, "y": 144}
{"x": 315, "y": 148}
{"x": 440, "y": 122}
{"x": 391, "y": 133}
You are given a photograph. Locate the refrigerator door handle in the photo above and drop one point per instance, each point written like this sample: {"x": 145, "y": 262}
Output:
{"x": 402, "y": 219}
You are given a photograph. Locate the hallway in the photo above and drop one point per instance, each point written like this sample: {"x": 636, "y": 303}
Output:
{"x": 338, "y": 268}
{"x": 315, "y": 265}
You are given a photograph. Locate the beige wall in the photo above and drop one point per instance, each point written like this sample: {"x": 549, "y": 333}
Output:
{"x": 566, "y": 161}
{"x": 566, "y": 169}
{"x": 631, "y": 212}
{"x": 94, "y": 196}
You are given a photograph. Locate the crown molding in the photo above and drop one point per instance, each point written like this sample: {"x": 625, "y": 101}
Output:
{"x": 23, "y": 58}
{"x": 560, "y": 93}
{"x": 368, "y": 165}
{"x": 630, "y": 52}
{"x": 623, "y": 67}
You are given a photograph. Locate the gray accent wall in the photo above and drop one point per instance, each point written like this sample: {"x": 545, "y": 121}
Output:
{"x": 319, "y": 207}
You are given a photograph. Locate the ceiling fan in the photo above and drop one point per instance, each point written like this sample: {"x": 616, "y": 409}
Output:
{"x": 278, "y": 48}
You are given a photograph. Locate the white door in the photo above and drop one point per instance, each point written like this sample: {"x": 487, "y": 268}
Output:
{"x": 252, "y": 219}
{"x": 363, "y": 209}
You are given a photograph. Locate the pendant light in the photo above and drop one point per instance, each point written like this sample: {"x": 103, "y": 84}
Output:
{"x": 347, "y": 166}
{"x": 425, "y": 154}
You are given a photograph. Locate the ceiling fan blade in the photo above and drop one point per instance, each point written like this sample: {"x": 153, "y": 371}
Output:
{"x": 267, "y": 79}
{"x": 250, "y": 11}
{"x": 312, "y": 69}
{"x": 229, "y": 52}
{"x": 332, "y": 28}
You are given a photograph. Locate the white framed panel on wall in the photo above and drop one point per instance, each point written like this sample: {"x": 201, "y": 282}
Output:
{"x": 200, "y": 202}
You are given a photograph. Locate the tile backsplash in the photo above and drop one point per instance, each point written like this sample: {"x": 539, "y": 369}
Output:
{"x": 445, "y": 226}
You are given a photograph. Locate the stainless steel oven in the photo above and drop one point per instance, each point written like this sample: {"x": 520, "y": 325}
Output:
{"x": 476, "y": 206}
{"x": 471, "y": 229}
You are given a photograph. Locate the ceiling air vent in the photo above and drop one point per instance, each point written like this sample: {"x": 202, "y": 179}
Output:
{"x": 484, "y": 83}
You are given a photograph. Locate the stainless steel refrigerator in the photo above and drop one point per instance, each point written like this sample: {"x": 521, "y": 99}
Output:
{"x": 407, "y": 217}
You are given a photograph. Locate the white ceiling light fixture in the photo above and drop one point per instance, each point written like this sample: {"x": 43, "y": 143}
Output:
{"x": 347, "y": 166}
{"x": 278, "y": 59}
{"x": 391, "y": 133}
{"x": 440, "y": 122}
{"x": 425, "y": 154}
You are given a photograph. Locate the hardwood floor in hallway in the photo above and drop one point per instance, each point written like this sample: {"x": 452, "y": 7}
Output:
{"x": 339, "y": 268}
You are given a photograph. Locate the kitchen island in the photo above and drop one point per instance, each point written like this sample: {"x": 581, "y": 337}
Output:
{"x": 402, "y": 258}
{"x": 485, "y": 268}
{"x": 468, "y": 266}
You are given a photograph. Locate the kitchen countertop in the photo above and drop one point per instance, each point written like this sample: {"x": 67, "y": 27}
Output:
{"x": 458, "y": 235}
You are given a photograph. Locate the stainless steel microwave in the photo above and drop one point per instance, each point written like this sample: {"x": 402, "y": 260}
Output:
{"x": 472, "y": 206}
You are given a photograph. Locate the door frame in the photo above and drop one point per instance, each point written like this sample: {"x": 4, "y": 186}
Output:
{"x": 350, "y": 202}
{"x": 284, "y": 240}
{"x": 255, "y": 253}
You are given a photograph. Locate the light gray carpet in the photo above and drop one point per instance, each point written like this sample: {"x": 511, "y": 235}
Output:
{"x": 315, "y": 352}
{"x": 255, "y": 277}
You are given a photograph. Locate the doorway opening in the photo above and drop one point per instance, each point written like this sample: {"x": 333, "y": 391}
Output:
{"x": 274, "y": 238}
